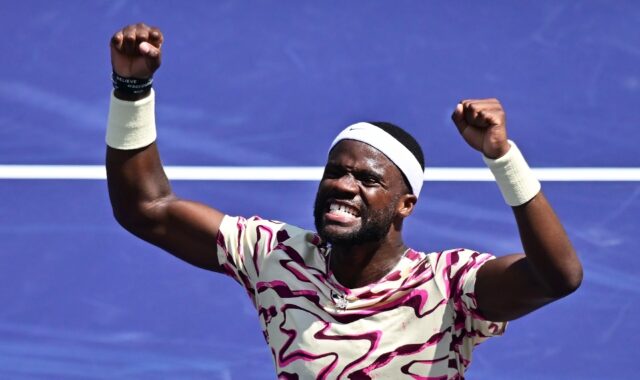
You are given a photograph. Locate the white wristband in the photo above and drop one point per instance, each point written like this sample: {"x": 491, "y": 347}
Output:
{"x": 515, "y": 179}
{"x": 131, "y": 125}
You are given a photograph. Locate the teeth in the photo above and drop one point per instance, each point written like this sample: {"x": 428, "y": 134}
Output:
{"x": 342, "y": 209}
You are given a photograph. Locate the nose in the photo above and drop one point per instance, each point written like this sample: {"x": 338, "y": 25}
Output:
{"x": 346, "y": 184}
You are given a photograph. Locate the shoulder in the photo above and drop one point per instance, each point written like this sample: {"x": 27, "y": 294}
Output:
{"x": 258, "y": 228}
{"x": 255, "y": 223}
{"x": 447, "y": 258}
{"x": 454, "y": 268}
{"x": 458, "y": 257}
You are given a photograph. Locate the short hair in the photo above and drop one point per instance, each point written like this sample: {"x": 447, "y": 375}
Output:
{"x": 405, "y": 139}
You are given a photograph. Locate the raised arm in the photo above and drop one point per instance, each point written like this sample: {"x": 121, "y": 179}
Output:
{"x": 514, "y": 285}
{"x": 141, "y": 196}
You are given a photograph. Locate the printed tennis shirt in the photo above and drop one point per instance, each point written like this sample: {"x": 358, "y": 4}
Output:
{"x": 418, "y": 322}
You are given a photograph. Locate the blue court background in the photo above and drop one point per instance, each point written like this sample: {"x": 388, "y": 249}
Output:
{"x": 269, "y": 83}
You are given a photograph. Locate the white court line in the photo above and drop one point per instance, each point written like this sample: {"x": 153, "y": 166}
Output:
{"x": 309, "y": 173}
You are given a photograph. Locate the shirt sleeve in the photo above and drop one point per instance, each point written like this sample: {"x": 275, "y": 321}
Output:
{"x": 243, "y": 245}
{"x": 456, "y": 272}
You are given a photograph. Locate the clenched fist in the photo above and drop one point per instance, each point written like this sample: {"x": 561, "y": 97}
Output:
{"x": 136, "y": 51}
{"x": 482, "y": 124}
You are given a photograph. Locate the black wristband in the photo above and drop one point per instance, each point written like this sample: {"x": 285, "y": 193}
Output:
{"x": 131, "y": 85}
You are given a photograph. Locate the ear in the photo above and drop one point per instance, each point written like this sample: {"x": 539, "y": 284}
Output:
{"x": 406, "y": 204}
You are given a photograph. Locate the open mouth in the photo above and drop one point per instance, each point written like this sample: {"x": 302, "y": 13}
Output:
{"x": 342, "y": 212}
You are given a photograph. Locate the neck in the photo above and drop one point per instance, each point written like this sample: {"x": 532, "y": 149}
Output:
{"x": 360, "y": 265}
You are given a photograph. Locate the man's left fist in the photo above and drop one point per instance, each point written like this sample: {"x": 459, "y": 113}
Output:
{"x": 482, "y": 124}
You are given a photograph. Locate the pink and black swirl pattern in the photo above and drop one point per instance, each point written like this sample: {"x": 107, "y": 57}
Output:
{"x": 418, "y": 322}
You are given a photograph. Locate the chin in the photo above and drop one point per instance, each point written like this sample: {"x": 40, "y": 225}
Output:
{"x": 338, "y": 237}
{"x": 353, "y": 237}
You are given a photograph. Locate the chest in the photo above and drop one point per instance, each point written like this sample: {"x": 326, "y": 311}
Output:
{"x": 385, "y": 326}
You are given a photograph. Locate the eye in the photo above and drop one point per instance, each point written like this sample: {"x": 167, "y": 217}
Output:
{"x": 369, "y": 180}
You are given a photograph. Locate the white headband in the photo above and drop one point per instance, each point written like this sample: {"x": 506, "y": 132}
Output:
{"x": 390, "y": 147}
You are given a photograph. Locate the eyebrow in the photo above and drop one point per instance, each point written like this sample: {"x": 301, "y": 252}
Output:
{"x": 371, "y": 172}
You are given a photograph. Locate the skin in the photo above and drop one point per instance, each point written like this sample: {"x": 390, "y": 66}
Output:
{"x": 514, "y": 285}
{"x": 361, "y": 176}
{"x": 356, "y": 174}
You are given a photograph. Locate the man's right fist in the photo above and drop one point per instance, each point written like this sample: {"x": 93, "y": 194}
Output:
{"x": 135, "y": 51}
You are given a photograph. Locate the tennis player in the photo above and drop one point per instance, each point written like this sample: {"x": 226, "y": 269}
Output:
{"x": 350, "y": 300}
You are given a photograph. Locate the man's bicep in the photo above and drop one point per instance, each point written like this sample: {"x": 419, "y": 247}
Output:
{"x": 187, "y": 230}
{"x": 506, "y": 289}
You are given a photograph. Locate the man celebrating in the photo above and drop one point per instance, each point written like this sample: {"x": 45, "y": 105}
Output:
{"x": 351, "y": 301}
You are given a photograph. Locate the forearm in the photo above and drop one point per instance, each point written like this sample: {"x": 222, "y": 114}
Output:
{"x": 514, "y": 285}
{"x": 139, "y": 190}
{"x": 136, "y": 182}
{"x": 550, "y": 255}
{"x": 550, "y": 258}
{"x": 136, "y": 179}
{"x": 144, "y": 204}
